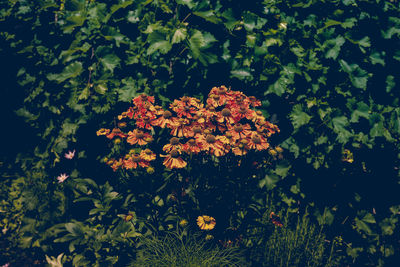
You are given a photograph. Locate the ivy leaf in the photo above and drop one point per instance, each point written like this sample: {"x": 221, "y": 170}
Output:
{"x": 128, "y": 92}
{"x": 208, "y": 15}
{"x": 110, "y": 62}
{"x": 241, "y": 74}
{"x": 76, "y": 19}
{"x": 299, "y": 117}
{"x": 339, "y": 124}
{"x": 188, "y": 3}
{"x": 335, "y": 45}
{"x": 278, "y": 87}
{"x": 390, "y": 83}
{"x": 179, "y": 35}
{"x": 162, "y": 46}
{"x": 358, "y": 76}
{"x": 196, "y": 41}
{"x": 361, "y": 111}
{"x": 376, "y": 58}
{"x": 282, "y": 169}
{"x": 71, "y": 71}
{"x": 269, "y": 181}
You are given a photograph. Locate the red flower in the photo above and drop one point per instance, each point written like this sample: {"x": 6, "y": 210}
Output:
{"x": 243, "y": 112}
{"x": 173, "y": 160}
{"x": 142, "y": 99}
{"x": 219, "y": 96}
{"x": 241, "y": 148}
{"x": 132, "y": 161}
{"x": 103, "y": 131}
{"x": 174, "y": 144}
{"x": 239, "y": 131}
{"x": 258, "y": 142}
{"x": 139, "y": 137}
{"x": 147, "y": 155}
{"x": 116, "y": 132}
{"x": 145, "y": 122}
{"x": 211, "y": 144}
{"x": 192, "y": 146}
{"x": 182, "y": 128}
{"x": 166, "y": 120}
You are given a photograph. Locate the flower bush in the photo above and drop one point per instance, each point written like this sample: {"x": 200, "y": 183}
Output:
{"x": 203, "y": 147}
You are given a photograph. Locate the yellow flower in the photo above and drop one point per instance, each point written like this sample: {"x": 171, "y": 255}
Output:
{"x": 183, "y": 223}
{"x": 150, "y": 170}
{"x": 206, "y": 222}
{"x": 209, "y": 237}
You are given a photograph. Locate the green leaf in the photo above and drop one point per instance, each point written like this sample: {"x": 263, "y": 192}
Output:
{"x": 282, "y": 169}
{"x": 278, "y": 87}
{"x": 299, "y": 117}
{"x": 76, "y": 19}
{"x": 162, "y": 46}
{"x": 75, "y": 229}
{"x": 390, "y": 83}
{"x": 241, "y": 74}
{"x": 196, "y": 41}
{"x": 335, "y": 45}
{"x": 129, "y": 91}
{"x": 358, "y": 76}
{"x": 110, "y": 62}
{"x": 71, "y": 71}
{"x": 361, "y": 111}
{"x": 179, "y": 35}
{"x": 208, "y": 15}
{"x": 269, "y": 181}
{"x": 188, "y": 3}
{"x": 377, "y": 58}
{"x": 339, "y": 124}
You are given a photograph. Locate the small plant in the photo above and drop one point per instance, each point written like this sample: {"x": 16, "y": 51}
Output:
{"x": 178, "y": 250}
{"x": 295, "y": 242}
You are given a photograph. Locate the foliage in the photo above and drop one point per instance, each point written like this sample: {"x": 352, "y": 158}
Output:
{"x": 180, "y": 249}
{"x": 326, "y": 70}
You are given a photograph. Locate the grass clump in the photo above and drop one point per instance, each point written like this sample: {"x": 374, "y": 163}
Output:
{"x": 177, "y": 250}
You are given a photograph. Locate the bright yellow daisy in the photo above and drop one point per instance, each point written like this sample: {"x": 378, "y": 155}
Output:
{"x": 206, "y": 222}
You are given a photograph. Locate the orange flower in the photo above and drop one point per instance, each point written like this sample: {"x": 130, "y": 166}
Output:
{"x": 243, "y": 112}
{"x": 147, "y": 155}
{"x": 241, "y": 148}
{"x": 115, "y": 164}
{"x": 223, "y": 96}
{"x": 211, "y": 144}
{"x": 239, "y": 131}
{"x": 166, "y": 120}
{"x": 225, "y": 116}
{"x": 142, "y": 99}
{"x": 145, "y": 122}
{"x": 267, "y": 128}
{"x": 192, "y": 146}
{"x": 182, "y": 128}
{"x": 185, "y": 108}
{"x": 275, "y": 219}
{"x": 214, "y": 100}
{"x": 135, "y": 160}
{"x": 258, "y": 142}
{"x": 206, "y": 222}
{"x": 103, "y": 131}
{"x": 139, "y": 137}
{"x": 174, "y": 144}
{"x": 185, "y": 101}
{"x": 173, "y": 160}
{"x": 254, "y": 101}
{"x": 116, "y": 132}
{"x": 207, "y": 114}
